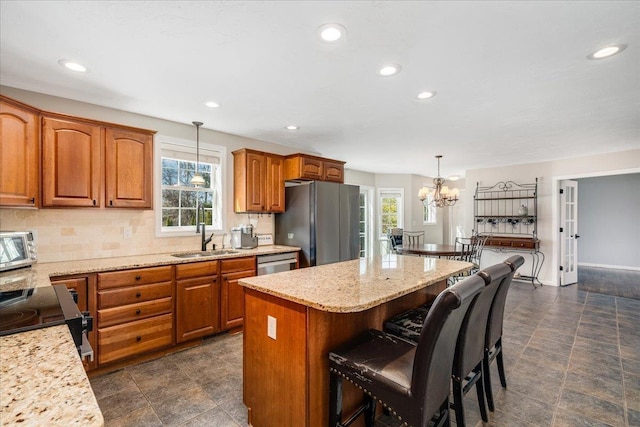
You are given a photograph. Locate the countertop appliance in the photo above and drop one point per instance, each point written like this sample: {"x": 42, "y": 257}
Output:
{"x": 17, "y": 249}
{"x": 242, "y": 237}
{"x": 323, "y": 219}
{"x": 34, "y": 308}
{"x": 276, "y": 263}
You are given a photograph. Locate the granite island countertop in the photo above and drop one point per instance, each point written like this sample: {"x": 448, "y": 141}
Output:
{"x": 42, "y": 379}
{"x": 357, "y": 285}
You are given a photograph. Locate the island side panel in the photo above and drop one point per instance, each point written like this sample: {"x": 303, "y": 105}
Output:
{"x": 275, "y": 374}
{"x": 329, "y": 330}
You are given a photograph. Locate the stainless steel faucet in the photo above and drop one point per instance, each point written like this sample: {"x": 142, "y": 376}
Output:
{"x": 200, "y": 222}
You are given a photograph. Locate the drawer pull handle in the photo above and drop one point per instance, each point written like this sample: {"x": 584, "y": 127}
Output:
{"x": 138, "y": 338}
{"x": 138, "y": 311}
{"x": 138, "y": 294}
{"x": 138, "y": 277}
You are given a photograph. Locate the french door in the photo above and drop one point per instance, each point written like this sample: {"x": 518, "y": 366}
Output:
{"x": 568, "y": 232}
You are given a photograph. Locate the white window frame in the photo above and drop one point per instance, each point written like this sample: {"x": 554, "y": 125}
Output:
{"x": 429, "y": 212}
{"x": 368, "y": 192}
{"x": 189, "y": 147}
{"x": 400, "y": 213}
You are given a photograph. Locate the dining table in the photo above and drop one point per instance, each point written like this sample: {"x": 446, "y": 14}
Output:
{"x": 429, "y": 250}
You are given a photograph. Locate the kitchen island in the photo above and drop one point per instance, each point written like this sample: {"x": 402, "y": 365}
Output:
{"x": 293, "y": 319}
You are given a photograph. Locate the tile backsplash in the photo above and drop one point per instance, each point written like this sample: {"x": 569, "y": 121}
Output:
{"x": 75, "y": 234}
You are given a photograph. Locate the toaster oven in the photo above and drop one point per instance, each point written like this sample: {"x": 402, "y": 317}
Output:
{"x": 17, "y": 249}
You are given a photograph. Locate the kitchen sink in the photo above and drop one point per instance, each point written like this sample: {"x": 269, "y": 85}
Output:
{"x": 204, "y": 254}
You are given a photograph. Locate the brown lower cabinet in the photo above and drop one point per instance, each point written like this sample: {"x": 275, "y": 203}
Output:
{"x": 197, "y": 300}
{"x": 231, "y": 271}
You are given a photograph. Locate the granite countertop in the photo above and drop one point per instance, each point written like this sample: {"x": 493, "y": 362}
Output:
{"x": 42, "y": 380}
{"x": 357, "y": 285}
{"x": 39, "y": 273}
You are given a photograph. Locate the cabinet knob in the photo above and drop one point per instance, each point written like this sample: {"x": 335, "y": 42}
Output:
{"x": 138, "y": 338}
{"x": 110, "y": 202}
{"x": 138, "y": 277}
{"x": 94, "y": 202}
{"x": 138, "y": 311}
{"x": 138, "y": 294}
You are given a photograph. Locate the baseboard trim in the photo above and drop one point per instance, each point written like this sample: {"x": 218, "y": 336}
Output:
{"x": 611, "y": 267}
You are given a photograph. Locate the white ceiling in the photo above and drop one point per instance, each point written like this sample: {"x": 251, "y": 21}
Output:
{"x": 512, "y": 79}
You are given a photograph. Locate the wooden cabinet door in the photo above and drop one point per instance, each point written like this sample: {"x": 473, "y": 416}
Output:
{"x": 128, "y": 169}
{"x": 333, "y": 171}
{"x": 255, "y": 182}
{"x": 233, "y": 299}
{"x": 197, "y": 308}
{"x": 19, "y": 156}
{"x": 71, "y": 163}
{"x": 275, "y": 183}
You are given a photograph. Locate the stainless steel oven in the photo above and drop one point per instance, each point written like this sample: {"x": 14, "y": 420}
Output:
{"x": 275, "y": 263}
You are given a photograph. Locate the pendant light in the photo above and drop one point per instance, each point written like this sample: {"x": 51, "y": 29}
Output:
{"x": 197, "y": 180}
{"x": 440, "y": 193}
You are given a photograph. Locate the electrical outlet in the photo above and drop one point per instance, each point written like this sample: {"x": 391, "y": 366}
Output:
{"x": 128, "y": 232}
{"x": 271, "y": 327}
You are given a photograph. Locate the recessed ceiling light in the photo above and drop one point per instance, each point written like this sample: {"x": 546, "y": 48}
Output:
{"x": 292, "y": 127}
{"x": 389, "y": 70}
{"x": 607, "y": 51}
{"x": 72, "y": 65}
{"x": 212, "y": 104}
{"x": 426, "y": 94}
{"x": 331, "y": 33}
{"x": 454, "y": 177}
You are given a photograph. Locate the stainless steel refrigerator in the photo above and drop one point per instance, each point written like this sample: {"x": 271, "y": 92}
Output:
{"x": 323, "y": 219}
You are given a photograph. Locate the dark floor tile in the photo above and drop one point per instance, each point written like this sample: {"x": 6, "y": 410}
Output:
{"x": 564, "y": 418}
{"x": 631, "y": 367}
{"x": 630, "y": 340}
{"x": 630, "y": 353}
{"x": 540, "y": 381}
{"x": 595, "y": 385}
{"x": 632, "y": 391}
{"x": 204, "y": 373}
{"x": 592, "y": 407}
{"x": 585, "y": 344}
{"x": 144, "y": 417}
{"x": 179, "y": 408}
{"x": 598, "y": 320}
{"x": 598, "y": 333}
{"x": 122, "y": 404}
{"x": 549, "y": 338}
{"x": 592, "y": 363}
{"x": 524, "y": 407}
{"x": 556, "y": 357}
{"x": 225, "y": 388}
{"x": 236, "y": 410}
{"x": 388, "y": 421}
{"x": 633, "y": 417}
{"x": 112, "y": 383}
{"x": 633, "y": 305}
{"x": 161, "y": 380}
{"x": 213, "y": 417}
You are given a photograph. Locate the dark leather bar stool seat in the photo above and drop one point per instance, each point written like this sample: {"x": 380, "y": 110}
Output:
{"x": 412, "y": 381}
{"x": 493, "y": 336}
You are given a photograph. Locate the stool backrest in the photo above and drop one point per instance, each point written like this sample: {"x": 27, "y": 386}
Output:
{"x": 436, "y": 346}
{"x": 471, "y": 339}
{"x": 496, "y": 315}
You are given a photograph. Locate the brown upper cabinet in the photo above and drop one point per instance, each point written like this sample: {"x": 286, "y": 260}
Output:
{"x": 128, "y": 169}
{"x": 91, "y": 164}
{"x": 71, "y": 160}
{"x": 306, "y": 167}
{"x": 258, "y": 181}
{"x": 19, "y": 154}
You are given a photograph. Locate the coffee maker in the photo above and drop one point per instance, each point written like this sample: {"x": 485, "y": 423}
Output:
{"x": 242, "y": 237}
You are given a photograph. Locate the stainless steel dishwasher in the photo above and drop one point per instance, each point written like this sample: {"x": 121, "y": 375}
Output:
{"x": 275, "y": 263}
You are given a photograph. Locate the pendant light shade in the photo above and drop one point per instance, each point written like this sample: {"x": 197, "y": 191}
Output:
{"x": 197, "y": 180}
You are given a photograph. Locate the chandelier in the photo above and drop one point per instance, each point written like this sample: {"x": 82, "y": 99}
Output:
{"x": 440, "y": 194}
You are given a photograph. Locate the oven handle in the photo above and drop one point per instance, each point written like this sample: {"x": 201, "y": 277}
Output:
{"x": 85, "y": 349}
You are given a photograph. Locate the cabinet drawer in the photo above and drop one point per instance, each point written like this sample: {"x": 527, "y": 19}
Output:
{"x": 133, "y": 338}
{"x": 132, "y": 312}
{"x": 116, "y": 279}
{"x": 238, "y": 264}
{"x": 133, "y": 294}
{"x": 196, "y": 269}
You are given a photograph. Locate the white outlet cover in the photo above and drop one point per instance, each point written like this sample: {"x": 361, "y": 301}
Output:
{"x": 271, "y": 327}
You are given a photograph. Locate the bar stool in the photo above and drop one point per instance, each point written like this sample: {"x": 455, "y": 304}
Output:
{"x": 493, "y": 336}
{"x": 412, "y": 381}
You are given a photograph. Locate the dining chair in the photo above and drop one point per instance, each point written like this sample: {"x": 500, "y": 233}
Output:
{"x": 468, "y": 249}
{"x": 411, "y": 381}
{"x": 413, "y": 237}
{"x": 395, "y": 238}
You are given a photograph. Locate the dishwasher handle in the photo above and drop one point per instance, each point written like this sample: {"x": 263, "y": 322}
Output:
{"x": 276, "y": 263}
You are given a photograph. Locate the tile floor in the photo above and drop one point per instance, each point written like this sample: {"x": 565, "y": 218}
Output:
{"x": 572, "y": 359}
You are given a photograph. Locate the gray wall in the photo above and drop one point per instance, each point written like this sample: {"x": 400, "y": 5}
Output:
{"x": 609, "y": 220}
